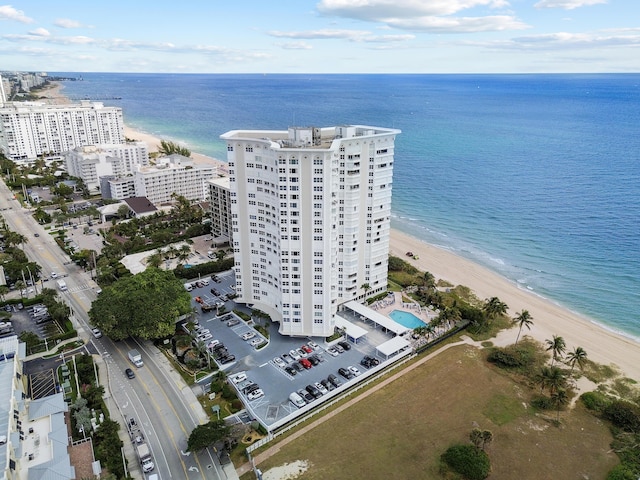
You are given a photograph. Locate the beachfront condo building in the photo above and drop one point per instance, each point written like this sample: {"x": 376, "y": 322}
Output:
{"x": 91, "y": 162}
{"x": 174, "y": 174}
{"x": 31, "y": 129}
{"x": 311, "y": 212}
{"x": 220, "y": 209}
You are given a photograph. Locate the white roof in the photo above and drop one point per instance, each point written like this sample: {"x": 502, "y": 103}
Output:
{"x": 377, "y": 317}
{"x": 353, "y": 330}
{"x": 392, "y": 346}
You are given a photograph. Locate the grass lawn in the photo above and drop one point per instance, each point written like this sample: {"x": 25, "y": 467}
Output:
{"x": 400, "y": 432}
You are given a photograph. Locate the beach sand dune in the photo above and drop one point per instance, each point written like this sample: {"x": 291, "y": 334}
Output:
{"x": 602, "y": 346}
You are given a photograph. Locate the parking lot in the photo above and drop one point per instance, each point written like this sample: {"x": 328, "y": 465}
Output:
{"x": 266, "y": 368}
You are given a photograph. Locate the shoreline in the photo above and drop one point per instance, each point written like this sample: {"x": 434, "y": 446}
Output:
{"x": 603, "y": 345}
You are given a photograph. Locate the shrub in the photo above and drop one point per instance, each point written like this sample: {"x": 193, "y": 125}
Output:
{"x": 622, "y": 472}
{"x": 542, "y": 403}
{"x": 624, "y": 415}
{"x": 595, "y": 401}
{"x": 468, "y": 461}
{"x": 227, "y": 392}
{"x": 216, "y": 387}
{"x": 505, "y": 358}
{"x": 236, "y": 405}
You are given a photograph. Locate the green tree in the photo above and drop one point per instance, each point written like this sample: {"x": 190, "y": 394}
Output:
{"x": 557, "y": 346}
{"x": 123, "y": 211}
{"x": 206, "y": 435}
{"x": 168, "y": 148}
{"x": 494, "y": 307}
{"x": 62, "y": 190}
{"x": 366, "y": 287}
{"x": 82, "y": 415}
{"x": 523, "y": 320}
{"x": 3, "y": 291}
{"x": 476, "y": 437}
{"x": 551, "y": 377}
{"x": 144, "y": 305}
{"x": 578, "y": 356}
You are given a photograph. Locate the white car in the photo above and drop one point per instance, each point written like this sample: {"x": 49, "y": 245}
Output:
{"x": 248, "y": 335}
{"x": 206, "y": 281}
{"x": 240, "y": 377}
{"x": 279, "y": 362}
{"x": 294, "y": 354}
{"x": 333, "y": 352}
{"x": 313, "y": 344}
{"x": 255, "y": 342}
{"x": 353, "y": 370}
{"x": 321, "y": 387}
{"x": 203, "y": 337}
{"x": 54, "y": 275}
{"x": 255, "y": 394}
{"x": 96, "y": 332}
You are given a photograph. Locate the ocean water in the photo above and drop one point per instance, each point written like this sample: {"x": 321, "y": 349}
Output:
{"x": 535, "y": 176}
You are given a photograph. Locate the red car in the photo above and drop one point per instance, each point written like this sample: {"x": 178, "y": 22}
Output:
{"x": 305, "y": 363}
{"x": 307, "y": 348}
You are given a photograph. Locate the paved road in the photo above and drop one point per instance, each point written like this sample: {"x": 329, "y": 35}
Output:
{"x": 157, "y": 398}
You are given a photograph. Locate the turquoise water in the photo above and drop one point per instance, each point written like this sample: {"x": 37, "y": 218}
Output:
{"x": 406, "y": 319}
{"x": 536, "y": 177}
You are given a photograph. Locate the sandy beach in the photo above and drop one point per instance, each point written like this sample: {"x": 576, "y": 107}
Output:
{"x": 602, "y": 346}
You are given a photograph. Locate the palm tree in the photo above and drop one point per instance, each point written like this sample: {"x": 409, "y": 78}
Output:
{"x": 551, "y": 377}
{"x": 183, "y": 253}
{"x": 577, "y": 356}
{"x": 557, "y": 347}
{"x": 429, "y": 280}
{"x": 487, "y": 438}
{"x": 523, "y": 319}
{"x": 476, "y": 437}
{"x": 494, "y": 307}
{"x": 559, "y": 398}
{"x": 3, "y": 291}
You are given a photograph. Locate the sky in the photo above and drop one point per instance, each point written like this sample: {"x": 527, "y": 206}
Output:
{"x": 321, "y": 36}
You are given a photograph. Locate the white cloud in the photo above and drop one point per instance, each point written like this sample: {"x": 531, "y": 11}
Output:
{"x": 378, "y": 10}
{"x": 564, "y": 40}
{"x": 67, "y": 23}
{"x": 567, "y": 4}
{"x": 351, "y": 35}
{"x": 40, "y": 32}
{"x": 494, "y": 23}
{"x": 296, "y": 46}
{"x": 7, "y": 12}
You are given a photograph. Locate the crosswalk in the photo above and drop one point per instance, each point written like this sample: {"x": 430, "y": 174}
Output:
{"x": 79, "y": 288}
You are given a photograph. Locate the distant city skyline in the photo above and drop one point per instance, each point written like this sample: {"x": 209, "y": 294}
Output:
{"x": 322, "y": 36}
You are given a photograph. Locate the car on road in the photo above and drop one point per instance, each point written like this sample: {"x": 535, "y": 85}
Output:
{"x": 54, "y": 275}
{"x": 96, "y": 332}
{"x": 279, "y": 362}
{"x": 36, "y": 234}
{"x": 345, "y": 345}
{"x": 130, "y": 373}
{"x": 354, "y": 370}
{"x": 346, "y": 373}
{"x": 233, "y": 322}
{"x": 333, "y": 352}
{"x": 248, "y": 335}
{"x": 290, "y": 370}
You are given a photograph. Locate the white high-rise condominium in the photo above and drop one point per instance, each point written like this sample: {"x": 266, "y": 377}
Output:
{"x": 311, "y": 212}
{"x": 30, "y": 129}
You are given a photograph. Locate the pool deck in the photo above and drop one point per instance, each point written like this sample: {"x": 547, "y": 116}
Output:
{"x": 389, "y": 304}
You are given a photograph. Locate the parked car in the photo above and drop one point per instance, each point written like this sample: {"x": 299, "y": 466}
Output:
{"x": 305, "y": 363}
{"x": 233, "y": 322}
{"x": 313, "y": 391}
{"x": 339, "y": 348}
{"x": 346, "y": 373}
{"x": 255, "y": 394}
{"x": 215, "y": 292}
{"x": 307, "y": 348}
{"x": 250, "y": 387}
{"x": 294, "y": 354}
{"x": 313, "y": 360}
{"x": 369, "y": 361}
{"x": 333, "y": 352}
{"x": 306, "y": 395}
{"x": 327, "y": 384}
{"x": 287, "y": 358}
{"x": 317, "y": 357}
{"x": 302, "y": 353}
{"x": 354, "y": 370}
{"x": 345, "y": 345}
{"x": 279, "y": 362}
{"x": 291, "y": 371}
{"x": 240, "y": 377}
{"x": 130, "y": 373}
{"x": 227, "y": 359}
{"x": 335, "y": 381}
{"x": 321, "y": 388}
{"x": 255, "y": 342}
{"x": 297, "y": 366}
{"x": 313, "y": 344}
{"x": 248, "y": 335}
{"x": 205, "y": 281}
